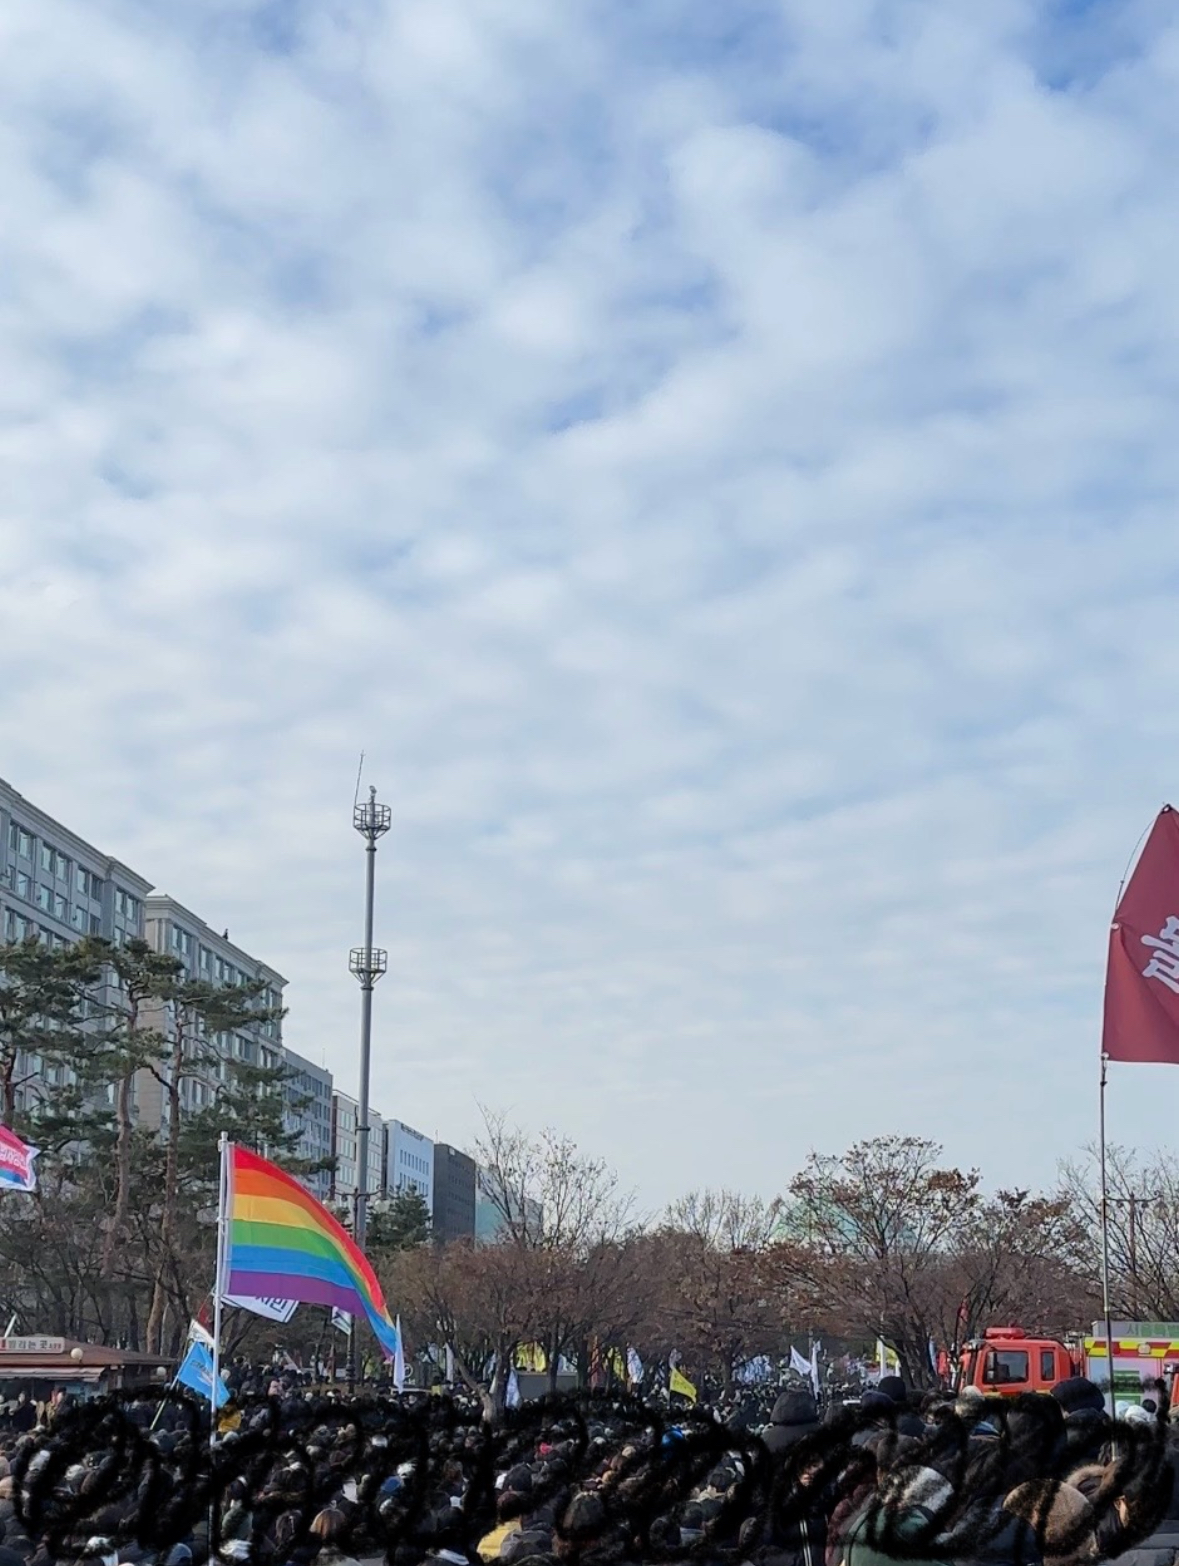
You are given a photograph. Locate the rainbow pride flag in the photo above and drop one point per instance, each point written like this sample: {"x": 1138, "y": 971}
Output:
{"x": 283, "y": 1244}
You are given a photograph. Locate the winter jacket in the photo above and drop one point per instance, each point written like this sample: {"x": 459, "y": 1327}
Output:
{"x": 1002, "y": 1540}
{"x": 844, "y": 1518}
{"x": 1160, "y": 1549}
{"x": 865, "y": 1539}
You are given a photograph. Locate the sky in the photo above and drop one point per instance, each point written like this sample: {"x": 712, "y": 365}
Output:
{"x": 717, "y": 462}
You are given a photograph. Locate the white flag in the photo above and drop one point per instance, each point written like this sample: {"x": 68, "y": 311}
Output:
{"x": 449, "y": 1366}
{"x": 342, "y": 1321}
{"x": 797, "y": 1363}
{"x": 399, "y": 1361}
{"x": 512, "y": 1395}
{"x": 634, "y": 1367}
{"x": 199, "y": 1334}
{"x": 815, "y": 1367}
{"x": 272, "y": 1310}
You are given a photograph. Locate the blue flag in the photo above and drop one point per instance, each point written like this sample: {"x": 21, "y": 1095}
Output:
{"x": 196, "y": 1372}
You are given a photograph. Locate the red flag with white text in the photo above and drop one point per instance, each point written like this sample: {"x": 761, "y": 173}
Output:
{"x": 1142, "y": 980}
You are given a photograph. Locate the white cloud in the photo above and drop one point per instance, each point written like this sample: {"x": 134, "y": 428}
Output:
{"x": 724, "y": 480}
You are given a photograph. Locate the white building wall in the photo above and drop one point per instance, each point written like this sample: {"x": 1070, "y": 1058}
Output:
{"x": 376, "y": 1154}
{"x": 345, "y": 1147}
{"x": 409, "y": 1161}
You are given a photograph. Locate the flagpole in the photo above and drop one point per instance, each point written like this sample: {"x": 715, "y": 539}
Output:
{"x": 219, "y": 1286}
{"x": 1113, "y": 1403}
{"x": 171, "y": 1387}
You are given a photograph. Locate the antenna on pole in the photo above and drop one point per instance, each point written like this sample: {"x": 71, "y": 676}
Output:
{"x": 368, "y": 963}
{"x": 359, "y": 772}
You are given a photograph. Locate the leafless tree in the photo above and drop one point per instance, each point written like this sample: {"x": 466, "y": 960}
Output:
{"x": 1143, "y": 1228}
{"x": 567, "y": 1213}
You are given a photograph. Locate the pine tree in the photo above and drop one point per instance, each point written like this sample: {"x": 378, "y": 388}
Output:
{"x": 43, "y": 1005}
{"x": 208, "y": 1028}
{"x": 130, "y": 1041}
{"x": 398, "y": 1223}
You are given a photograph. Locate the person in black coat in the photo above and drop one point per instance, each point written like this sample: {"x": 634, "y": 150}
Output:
{"x": 795, "y": 1416}
{"x": 794, "y": 1533}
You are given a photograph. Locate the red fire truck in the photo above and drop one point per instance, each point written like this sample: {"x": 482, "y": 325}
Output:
{"x": 1007, "y": 1360}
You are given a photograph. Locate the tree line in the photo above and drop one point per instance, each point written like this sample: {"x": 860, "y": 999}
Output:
{"x": 102, "y": 1049}
{"x": 884, "y": 1241}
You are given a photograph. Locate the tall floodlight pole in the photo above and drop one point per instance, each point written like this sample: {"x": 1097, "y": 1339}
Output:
{"x": 368, "y": 963}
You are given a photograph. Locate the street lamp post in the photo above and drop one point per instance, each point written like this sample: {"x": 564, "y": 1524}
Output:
{"x": 368, "y": 963}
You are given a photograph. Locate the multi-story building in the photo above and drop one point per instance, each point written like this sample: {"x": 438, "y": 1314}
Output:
{"x": 346, "y": 1152}
{"x": 454, "y": 1194}
{"x": 409, "y": 1161}
{"x": 345, "y": 1149}
{"x": 308, "y": 1092}
{"x": 491, "y": 1224}
{"x": 174, "y": 931}
{"x": 375, "y": 1184}
{"x": 57, "y": 887}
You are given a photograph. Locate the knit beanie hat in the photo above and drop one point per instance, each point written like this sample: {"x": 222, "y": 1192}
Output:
{"x": 795, "y": 1408}
{"x": 904, "y": 1488}
{"x": 1078, "y": 1393}
{"x": 1058, "y": 1512}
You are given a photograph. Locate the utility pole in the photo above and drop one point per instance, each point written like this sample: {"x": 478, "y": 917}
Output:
{"x": 1133, "y": 1202}
{"x": 368, "y": 963}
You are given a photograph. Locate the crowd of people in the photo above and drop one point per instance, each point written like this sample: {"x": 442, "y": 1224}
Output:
{"x": 294, "y": 1477}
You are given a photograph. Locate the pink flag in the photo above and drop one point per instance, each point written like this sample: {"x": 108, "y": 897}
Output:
{"x": 1142, "y": 980}
{"x": 16, "y": 1163}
